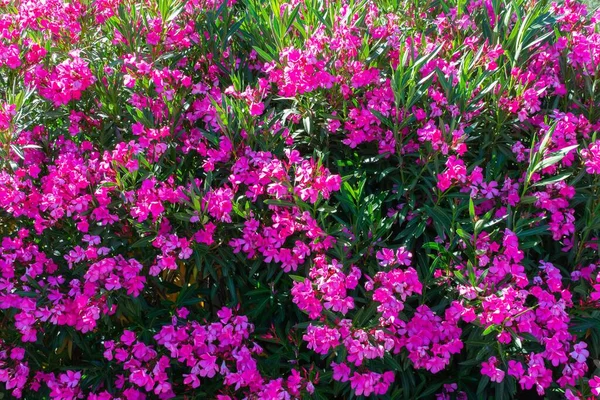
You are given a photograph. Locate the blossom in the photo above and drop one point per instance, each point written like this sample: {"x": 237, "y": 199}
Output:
{"x": 591, "y": 157}
{"x": 490, "y": 369}
{"x": 595, "y": 385}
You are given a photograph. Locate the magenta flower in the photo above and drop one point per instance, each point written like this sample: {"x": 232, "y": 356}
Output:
{"x": 490, "y": 369}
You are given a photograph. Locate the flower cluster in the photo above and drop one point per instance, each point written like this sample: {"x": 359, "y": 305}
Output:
{"x": 65, "y": 82}
{"x": 279, "y": 200}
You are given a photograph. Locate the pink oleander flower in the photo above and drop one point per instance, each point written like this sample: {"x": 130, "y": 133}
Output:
{"x": 591, "y": 158}
{"x": 341, "y": 372}
{"x": 490, "y": 369}
{"x": 65, "y": 82}
{"x": 594, "y": 383}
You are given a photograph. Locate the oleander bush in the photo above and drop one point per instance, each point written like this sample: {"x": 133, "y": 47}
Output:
{"x": 286, "y": 199}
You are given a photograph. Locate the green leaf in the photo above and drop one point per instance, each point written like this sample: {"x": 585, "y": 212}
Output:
{"x": 264, "y": 55}
{"x": 553, "y": 179}
{"x": 554, "y": 158}
{"x": 538, "y": 230}
{"x": 489, "y": 330}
